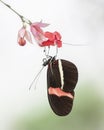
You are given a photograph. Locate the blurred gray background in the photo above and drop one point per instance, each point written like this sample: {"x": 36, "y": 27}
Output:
{"x": 79, "y": 22}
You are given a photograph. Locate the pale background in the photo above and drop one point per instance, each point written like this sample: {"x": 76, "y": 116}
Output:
{"x": 78, "y": 21}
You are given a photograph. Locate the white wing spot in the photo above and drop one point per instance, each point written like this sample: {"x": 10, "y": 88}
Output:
{"x": 61, "y": 73}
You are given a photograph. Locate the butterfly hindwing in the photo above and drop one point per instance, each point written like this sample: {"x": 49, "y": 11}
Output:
{"x": 62, "y": 77}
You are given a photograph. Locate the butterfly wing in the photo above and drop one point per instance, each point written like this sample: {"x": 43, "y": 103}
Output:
{"x": 62, "y": 77}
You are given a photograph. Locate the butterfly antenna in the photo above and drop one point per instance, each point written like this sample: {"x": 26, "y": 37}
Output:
{"x": 36, "y": 78}
{"x": 85, "y": 44}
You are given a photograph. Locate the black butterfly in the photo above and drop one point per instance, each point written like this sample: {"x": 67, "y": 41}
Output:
{"x": 62, "y": 77}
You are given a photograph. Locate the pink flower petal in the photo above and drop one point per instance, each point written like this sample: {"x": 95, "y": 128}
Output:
{"x": 28, "y": 36}
{"x": 21, "y": 32}
{"x": 36, "y": 31}
{"x": 40, "y": 24}
{"x": 38, "y": 34}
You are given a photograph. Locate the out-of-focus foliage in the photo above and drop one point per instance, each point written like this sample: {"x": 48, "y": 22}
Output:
{"x": 87, "y": 114}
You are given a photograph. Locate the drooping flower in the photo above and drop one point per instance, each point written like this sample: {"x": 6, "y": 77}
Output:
{"x": 45, "y": 38}
{"x": 38, "y": 33}
{"x": 23, "y": 35}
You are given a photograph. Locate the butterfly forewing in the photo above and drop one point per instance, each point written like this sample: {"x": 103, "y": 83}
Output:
{"x": 70, "y": 75}
{"x": 62, "y": 77}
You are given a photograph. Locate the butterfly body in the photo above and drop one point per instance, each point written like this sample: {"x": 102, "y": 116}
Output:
{"x": 62, "y": 77}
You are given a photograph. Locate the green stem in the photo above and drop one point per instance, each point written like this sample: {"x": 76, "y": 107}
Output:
{"x": 21, "y": 17}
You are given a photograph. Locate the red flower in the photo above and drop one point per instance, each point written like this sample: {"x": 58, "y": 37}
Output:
{"x": 52, "y": 39}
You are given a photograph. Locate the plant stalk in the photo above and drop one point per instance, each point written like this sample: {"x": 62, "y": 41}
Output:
{"x": 24, "y": 20}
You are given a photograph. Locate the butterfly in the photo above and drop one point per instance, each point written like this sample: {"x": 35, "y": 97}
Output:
{"x": 62, "y": 77}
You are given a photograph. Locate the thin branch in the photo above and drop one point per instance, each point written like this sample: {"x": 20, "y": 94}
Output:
{"x": 21, "y": 17}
